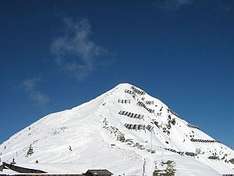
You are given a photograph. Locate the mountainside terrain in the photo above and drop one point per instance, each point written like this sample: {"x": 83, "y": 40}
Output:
{"x": 126, "y": 131}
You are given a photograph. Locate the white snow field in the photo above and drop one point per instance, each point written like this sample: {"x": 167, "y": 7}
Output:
{"x": 118, "y": 131}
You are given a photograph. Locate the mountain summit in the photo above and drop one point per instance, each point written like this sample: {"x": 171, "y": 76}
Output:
{"x": 124, "y": 130}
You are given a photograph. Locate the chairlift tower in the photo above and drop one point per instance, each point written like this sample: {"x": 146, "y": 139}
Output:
{"x": 151, "y": 140}
{"x": 143, "y": 173}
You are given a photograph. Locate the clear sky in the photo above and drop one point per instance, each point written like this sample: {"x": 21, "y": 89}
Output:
{"x": 55, "y": 55}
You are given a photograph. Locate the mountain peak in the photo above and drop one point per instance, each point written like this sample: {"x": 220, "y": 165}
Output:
{"x": 118, "y": 132}
{"x": 125, "y": 85}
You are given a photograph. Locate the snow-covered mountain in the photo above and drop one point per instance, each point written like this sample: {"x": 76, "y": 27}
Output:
{"x": 124, "y": 130}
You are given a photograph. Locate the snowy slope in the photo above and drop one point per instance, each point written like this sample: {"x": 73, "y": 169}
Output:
{"x": 118, "y": 131}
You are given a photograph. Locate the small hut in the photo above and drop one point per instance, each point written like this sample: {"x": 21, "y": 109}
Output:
{"x": 98, "y": 172}
{"x": 231, "y": 160}
{"x": 20, "y": 169}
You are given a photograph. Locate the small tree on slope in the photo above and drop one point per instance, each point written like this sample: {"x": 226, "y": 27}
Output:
{"x": 170, "y": 169}
{"x": 30, "y": 151}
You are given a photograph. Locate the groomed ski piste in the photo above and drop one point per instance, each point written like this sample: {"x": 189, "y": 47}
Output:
{"x": 124, "y": 130}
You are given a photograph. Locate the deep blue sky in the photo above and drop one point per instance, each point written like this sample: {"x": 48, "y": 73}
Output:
{"x": 58, "y": 54}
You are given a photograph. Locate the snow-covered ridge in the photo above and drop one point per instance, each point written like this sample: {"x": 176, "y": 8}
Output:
{"x": 120, "y": 130}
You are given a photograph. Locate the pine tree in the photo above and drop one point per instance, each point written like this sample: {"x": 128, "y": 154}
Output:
{"x": 170, "y": 169}
{"x": 30, "y": 150}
